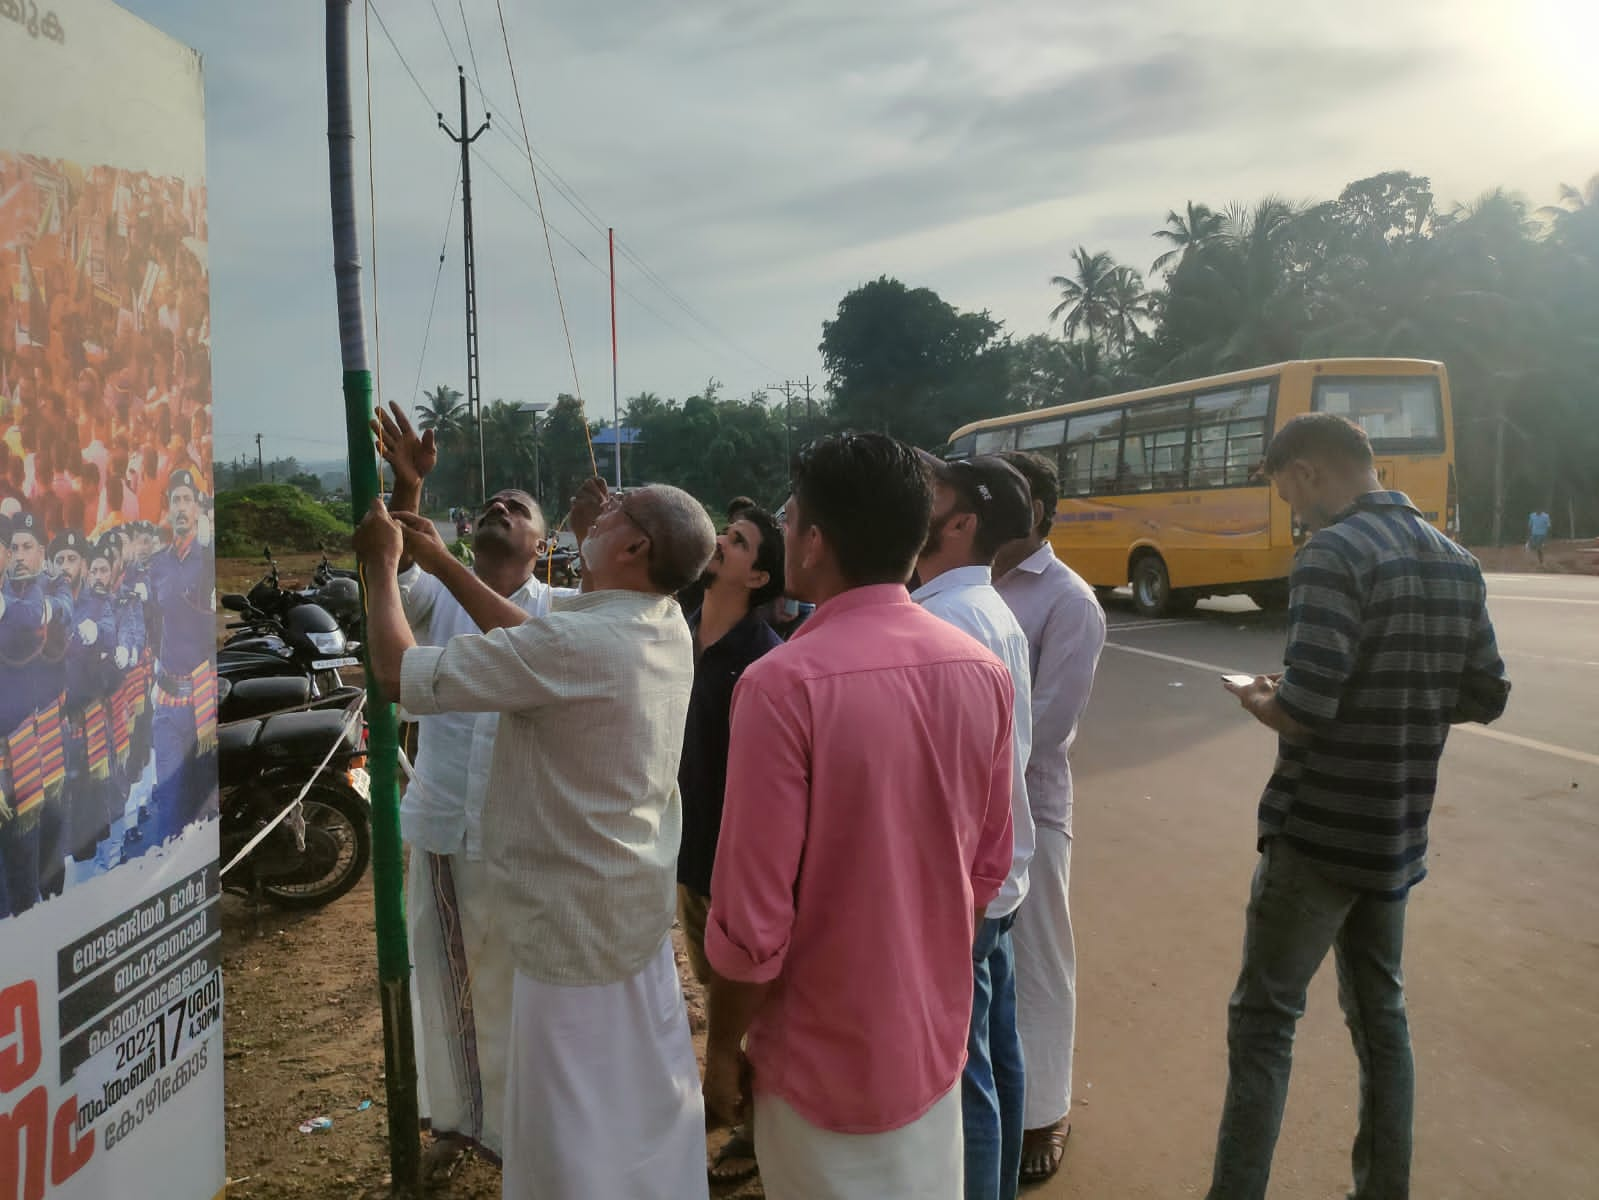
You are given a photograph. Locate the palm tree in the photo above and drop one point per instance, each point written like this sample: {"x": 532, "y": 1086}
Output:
{"x": 443, "y": 412}
{"x": 1128, "y": 303}
{"x": 509, "y": 438}
{"x": 1186, "y": 232}
{"x": 1084, "y": 297}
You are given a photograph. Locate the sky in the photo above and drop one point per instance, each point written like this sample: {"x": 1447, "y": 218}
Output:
{"x": 761, "y": 160}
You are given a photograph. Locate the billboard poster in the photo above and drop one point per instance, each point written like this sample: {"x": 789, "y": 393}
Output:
{"x": 110, "y": 965}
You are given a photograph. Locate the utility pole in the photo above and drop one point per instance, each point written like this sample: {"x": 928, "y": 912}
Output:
{"x": 787, "y": 388}
{"x": 810, "y": 413}
{"x": 260, "y": 471}
{"x": 474, "y": 391}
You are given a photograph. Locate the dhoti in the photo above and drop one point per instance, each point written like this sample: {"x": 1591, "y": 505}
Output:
{"x": 604, "y": 1097}
{"x": 800, "y": 1161}
{"x": 462, "y": 997}
{"x": 1046, "y": 980}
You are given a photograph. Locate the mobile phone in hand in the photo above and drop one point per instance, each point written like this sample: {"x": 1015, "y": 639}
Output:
{"x": 1238, "y": 681}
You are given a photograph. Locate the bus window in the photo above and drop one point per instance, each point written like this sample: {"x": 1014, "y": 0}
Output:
{"x": 992, "y": 441}
{"x": 1229, "y": 436}
{"x": 963, "y": 447}
{"x": 1042, "y": 435}
{"x": 1155, "y": 449}
{"x": 1092, "y": 447}
{"x": 1400, "y": 416}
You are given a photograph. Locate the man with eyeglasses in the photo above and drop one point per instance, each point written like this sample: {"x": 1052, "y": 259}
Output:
{"x": 581, "y": 829}
{"x": 462, "y": 982}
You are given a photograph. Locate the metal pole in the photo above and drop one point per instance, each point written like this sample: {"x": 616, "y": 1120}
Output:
{"x": 388, "y": 875}
{"x": 616, "y": 417}
{"x": 474, "y": 389}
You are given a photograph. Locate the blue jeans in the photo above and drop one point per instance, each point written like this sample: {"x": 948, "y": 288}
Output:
{"x": 992, "y": 1088}
{"x": 1295, "y": 914}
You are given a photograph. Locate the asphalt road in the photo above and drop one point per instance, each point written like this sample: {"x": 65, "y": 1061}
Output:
{"x": 1502, "y": 960}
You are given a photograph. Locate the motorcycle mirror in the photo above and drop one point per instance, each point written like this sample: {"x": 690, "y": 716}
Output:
{"x": 233, "y": 602}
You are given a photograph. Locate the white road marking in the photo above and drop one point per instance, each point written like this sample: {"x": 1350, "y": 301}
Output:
{"x": 1496, "y": 597}
{"x": 1145, "y": 625}
{"x": 1512, "y": 739}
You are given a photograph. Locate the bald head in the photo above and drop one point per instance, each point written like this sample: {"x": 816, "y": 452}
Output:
{"x": 682, "y": 535}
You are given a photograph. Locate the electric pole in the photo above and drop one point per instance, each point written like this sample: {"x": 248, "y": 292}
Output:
{"x": 260, "y": 471}
{"x": 810, "y": 413}
{"x": 787, "y": 388}
{"x": 474, "y": 393}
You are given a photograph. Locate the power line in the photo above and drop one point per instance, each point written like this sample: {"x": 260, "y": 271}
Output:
{"x": 578, "y": 250}
{"x": 571, "y": 195}
{"x": 427, "y": 331}
{"x": 516, "y": 91}
{"x": 471, "y": 51}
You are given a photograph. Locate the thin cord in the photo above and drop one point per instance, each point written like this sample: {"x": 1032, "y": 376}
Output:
{"x": 470, "y": 49}
{"x": 549, "y": 246}
{"x": 454, "y": 57}
{"x": 372, "y": 201}
{"x": 427, "y": 332}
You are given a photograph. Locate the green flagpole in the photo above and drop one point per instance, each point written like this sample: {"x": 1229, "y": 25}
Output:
{"x": 388, "y": 871}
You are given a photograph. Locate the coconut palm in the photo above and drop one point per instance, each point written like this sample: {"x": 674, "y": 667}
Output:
{"x": 442, "y": 411}
{"x": 1085, "y": 295}
{"x": 1128, "y": 303}
{"x": 1186, "y": 232}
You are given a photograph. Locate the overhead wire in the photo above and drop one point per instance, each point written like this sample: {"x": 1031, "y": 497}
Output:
{"x": 516, "y": 90}
{"x": 471, "y": 50}
{"x": 427, "y": 330}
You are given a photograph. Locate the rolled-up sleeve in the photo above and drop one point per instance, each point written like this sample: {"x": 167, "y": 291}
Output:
{"x": 505, "y": 670}
{"x": 762, "y": 839}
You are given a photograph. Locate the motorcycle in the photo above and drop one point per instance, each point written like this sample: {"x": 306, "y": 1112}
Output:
{"x": 285, "y": 633}
{"x": 312, "y": 856}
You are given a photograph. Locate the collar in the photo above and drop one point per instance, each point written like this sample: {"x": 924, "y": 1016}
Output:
{"x": 742, "y": 630}
{"x": 1038, "y": 561}
{"x": 182, "y": 546}
{"x": 949, "y": 581}
{"x": 876, "y": 595}
{"x": 1378, "y": 500}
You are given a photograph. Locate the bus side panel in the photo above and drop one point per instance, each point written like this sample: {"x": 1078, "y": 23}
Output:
{"x": 1091, "y": 535}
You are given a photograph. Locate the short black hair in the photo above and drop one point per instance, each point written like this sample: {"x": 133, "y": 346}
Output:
{"x": 768, "y": 555}
{"x": 1326, "y": 437}
{"x": 1042, "y": 481}
{"x": 735, "y": 506}
{"x": 869, "y": 495}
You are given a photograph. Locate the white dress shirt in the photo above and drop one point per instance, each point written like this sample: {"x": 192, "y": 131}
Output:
{"x": 583, "y": 820}
{"x": 1065, "y": 628}
{"x": 442, "y": 809}
{"x": 966, "y": 599}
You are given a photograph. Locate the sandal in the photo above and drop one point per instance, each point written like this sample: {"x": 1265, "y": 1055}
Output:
{"x": 1042, "y": 1151}
{"x": 735, "y": 1161}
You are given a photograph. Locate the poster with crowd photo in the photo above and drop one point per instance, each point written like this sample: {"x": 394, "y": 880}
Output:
{"x": 110, "y": 976}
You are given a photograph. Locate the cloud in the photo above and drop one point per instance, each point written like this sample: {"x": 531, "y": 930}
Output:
{"x": 763, "y": 159}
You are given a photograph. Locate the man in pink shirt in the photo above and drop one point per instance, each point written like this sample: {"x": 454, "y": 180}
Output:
{"x": 866, "y": 827}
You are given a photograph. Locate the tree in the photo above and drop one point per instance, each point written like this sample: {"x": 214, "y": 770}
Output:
{"x": 906, "y": 362}
{"x": 1084, "y": 296}
{"x": 1186, "y": 232}
{"x": 1126, "y": 304}
{"x": 442, "y": 411}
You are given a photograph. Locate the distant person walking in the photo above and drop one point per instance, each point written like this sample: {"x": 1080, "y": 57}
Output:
{"x": 1537, "y": 533}
{"x": 1389, "y": 643}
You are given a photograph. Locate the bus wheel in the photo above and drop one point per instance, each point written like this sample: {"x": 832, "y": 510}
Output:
{"x": 1152, "y": 591}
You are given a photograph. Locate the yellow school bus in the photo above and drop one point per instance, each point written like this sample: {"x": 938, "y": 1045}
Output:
{"x": 1162, "y": 488}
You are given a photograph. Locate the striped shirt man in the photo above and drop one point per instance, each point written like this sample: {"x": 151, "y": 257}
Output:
{"x": 1389, "y": 642}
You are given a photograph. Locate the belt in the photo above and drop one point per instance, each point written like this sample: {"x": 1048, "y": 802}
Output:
{"x": 181, "y": 686}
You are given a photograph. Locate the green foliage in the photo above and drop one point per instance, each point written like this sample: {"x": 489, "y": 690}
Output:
{"x": 906, "y": 362}
{"x": 276, "y": 515}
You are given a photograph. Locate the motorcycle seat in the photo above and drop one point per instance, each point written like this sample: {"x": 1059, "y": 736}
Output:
{"x": 253, "y": 697}
{"x": 295, "y": 737}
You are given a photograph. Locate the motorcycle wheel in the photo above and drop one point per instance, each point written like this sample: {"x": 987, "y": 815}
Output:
{"x": 338, "y": 818}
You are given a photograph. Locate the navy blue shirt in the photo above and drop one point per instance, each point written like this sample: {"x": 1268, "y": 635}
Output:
{"x": 1389, "y": 643}
{"x": 702, "y": 772}
{"x": 181, "y": 587}
{"x": 21, "y": 640}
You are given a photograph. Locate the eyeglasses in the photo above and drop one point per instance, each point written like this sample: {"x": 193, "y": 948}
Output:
{"x": 617, "y": 502}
